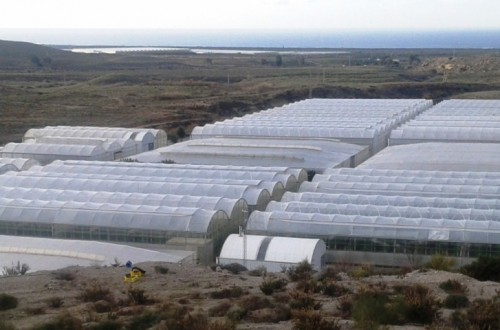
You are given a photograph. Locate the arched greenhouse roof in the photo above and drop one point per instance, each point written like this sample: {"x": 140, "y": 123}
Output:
{"x": 253, "y": 196}
{"x": 288, "y": 180}
{"x": 123, "y": 216}
{"x": 332, "y": 225}
{"x": 417, "y": 201}
{"x": 274, "y": 249}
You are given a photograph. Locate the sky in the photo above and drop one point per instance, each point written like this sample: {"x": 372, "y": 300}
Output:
{"x": 306, "y": 15}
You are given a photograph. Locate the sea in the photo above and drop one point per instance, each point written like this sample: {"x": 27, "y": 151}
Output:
{"x": 230, "y": 39}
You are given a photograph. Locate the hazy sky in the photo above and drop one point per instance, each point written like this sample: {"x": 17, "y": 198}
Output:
{"x": 253, "y": 14}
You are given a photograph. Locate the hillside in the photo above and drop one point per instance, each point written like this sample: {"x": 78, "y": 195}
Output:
{"x": 175, "y": 92}
{"x": 190, "y": 294}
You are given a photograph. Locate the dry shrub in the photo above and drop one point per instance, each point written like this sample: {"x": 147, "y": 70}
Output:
{"x": 361, "y": 271}
{"x": 55, "y": 302}
{"x": 220, "y": 309}
{"x": 233, "y": 292}
{"x": 254, "y": 302}
{"x": 281, "y": 297}
{"x": 270, "y": 284}
{"x": 453, "y": 287}
{"x": 303, "y": 271}
{"x": 64, "y": 321}
{"x": 7, "y": 302}
{"x": 482, "y": 314}
{"x": 311, "y": 319}
{"x": 456, "y": 301}
{"x": 35, "y": 310}
{"x": 345, "y": 307}
{"x": 95, "y": 292}
{"x": 422, "y": 306}
{"x": 138, "y": 297}
{"x": 103, "y": 306}
{"x": 159, "y": 269}
{"x": 329, "y": 273}
{"x": 64, "y": 275}
{"x": 222, "y": 325}
{"x": 309, "y": 285}
{"x": 333, "y": 289}
{"x": 303, "y": 300}
{"x": 270, "y": 315}
{"x": 260, "y": 271}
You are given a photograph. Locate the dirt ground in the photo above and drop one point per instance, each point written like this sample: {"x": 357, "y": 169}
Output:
{"x": 187, "y": 285}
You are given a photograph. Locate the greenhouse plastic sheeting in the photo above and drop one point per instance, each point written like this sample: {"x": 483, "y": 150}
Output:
{"x": 331, "y": 225}
{"x": 4, "y": 168}
{"x": 236, "y": 209}
{"x": 89, "y": 214}
{"x": 256, "y": 197}
{"x": 407, "y": 179}
{"x": 22, "y": 164}
{"x": 361, "y": 170}
{"x": 288, "y": 180}
{"x": 385, "y": 210}
{"x": 417, "y": 201}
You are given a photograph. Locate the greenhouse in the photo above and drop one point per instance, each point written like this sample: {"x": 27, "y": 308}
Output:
{"x": 273, "y": 253}
{"x": 363, "y": 122}
{"x": 438, "y": 156}
{"x": 52, "y": 254}
{"x": 236, "y": 209}
{"x": 255, "y": 197}
{"x": 416, "y": 201}
{"x": 289, "y": 181}
{"x": 299, "y": 173}
{"x": 310, "y": 154}
{"x": 146, "y": 139}
{"x": 45, "y": 153}
{"x": 22, "y": 164}
{"x": 452, "y": 121}
{"x": 275, "y": 188}
{"x": 4, "y": 168}
{"x": 380, "y": 234}
{"x": 137, "y": 224}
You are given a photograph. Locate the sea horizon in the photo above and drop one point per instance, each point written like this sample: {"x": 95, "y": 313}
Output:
{"x": 470, "y": 39}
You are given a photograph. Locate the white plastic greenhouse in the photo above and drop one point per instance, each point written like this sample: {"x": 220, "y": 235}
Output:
{"x": 363, "y": 122}
{"x": 146, "y": 139}
{"x": 416, "y": 201}
{"x": 4, "y": 168}
{"x": 438, "y": 156}
{"x": 329, "y": 226}
{"x": 46, "y": 153}
{"x": 52, "y": 254}
{"x": 273, "y": 253}
{"x": 311, "y": 154}
{"x": 299, "y": 173}
{"x": 275, "y": 188}
{"x": 452, "y": 121}
{"x": 385, "y": 210}
{"x": 403, "y": 189}
{"x": 255, "y": 197}
{"x": 22, "y": 164}
{"x": 289, "y": 181}
{"x": 236, "y": 209}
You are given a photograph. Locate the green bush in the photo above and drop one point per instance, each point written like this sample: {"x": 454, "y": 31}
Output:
{"x": 303, "y": 271}
{"x": 361, "y": 272}
{"x": 456, "y": 301}
{"x": 269, "y": 285}
{"x": 440, "y": 262}
{"x": 7, "y": 302}
{"x": 422, "y": 306}
{"x": 453, "y": 286}
{"x": 485, "y": 268}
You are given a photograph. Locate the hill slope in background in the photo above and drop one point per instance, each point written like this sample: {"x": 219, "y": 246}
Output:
{"x": 41, "y": 86}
